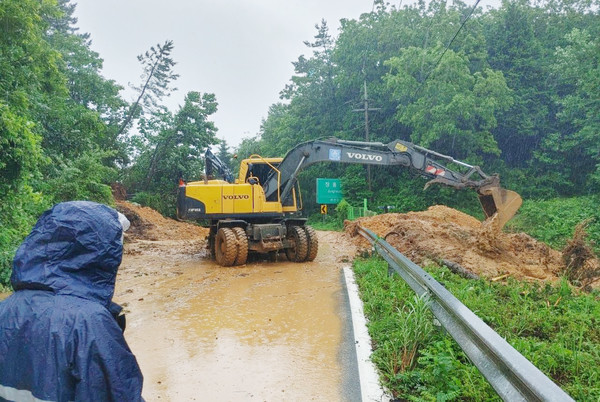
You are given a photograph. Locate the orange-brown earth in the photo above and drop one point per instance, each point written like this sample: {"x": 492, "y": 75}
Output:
{"x": 147, "y": 224}
{"x": 445, "y": 233}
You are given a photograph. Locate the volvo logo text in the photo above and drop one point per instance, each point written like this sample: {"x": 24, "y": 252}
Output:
{"x": 236, "y": 197}
{"x": 364, "y": 157}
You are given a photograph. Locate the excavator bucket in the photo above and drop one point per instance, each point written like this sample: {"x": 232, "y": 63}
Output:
{"x": 499, "y": 204}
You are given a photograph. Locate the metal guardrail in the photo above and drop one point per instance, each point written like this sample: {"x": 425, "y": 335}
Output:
{"x": 513, "y": 376}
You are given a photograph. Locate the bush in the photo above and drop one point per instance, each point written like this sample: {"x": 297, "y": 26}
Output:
{"x": 19, "y": 211}
{"x": 84, "y": 178}
{"x": 554, "y": 221}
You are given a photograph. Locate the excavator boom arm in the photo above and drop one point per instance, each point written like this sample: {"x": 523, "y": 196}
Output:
{"x": 497, "y": 203}
{"x": 212, "y": 163}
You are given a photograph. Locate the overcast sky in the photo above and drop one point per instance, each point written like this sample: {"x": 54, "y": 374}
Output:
{"x": 240, "y": 50}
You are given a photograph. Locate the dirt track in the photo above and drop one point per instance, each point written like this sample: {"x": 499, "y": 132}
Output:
{"x": 263, "y": 331}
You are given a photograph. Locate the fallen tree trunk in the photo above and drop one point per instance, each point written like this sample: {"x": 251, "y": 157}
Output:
{"x": 459, "y": 269}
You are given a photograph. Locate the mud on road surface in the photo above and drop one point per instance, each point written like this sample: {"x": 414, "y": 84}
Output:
{"x": 262, "y": 331}
{"x": 273, "y": 330}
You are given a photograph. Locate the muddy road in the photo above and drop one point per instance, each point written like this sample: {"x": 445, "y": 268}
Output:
{"x": 262, "y": 331}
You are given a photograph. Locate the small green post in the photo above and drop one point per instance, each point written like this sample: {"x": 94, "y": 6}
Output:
{"x": 365, "y": 202}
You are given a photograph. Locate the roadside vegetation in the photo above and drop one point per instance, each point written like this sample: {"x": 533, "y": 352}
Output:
{"x": 553, "y": 221}
{"x": 555, "y": 327}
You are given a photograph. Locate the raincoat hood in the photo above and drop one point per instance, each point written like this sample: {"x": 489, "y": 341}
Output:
{"x": 74, "y": 249}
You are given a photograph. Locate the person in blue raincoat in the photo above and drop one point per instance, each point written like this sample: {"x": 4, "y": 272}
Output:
{"x": 60, "y": 339}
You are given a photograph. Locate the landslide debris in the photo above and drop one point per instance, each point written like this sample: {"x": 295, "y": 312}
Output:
{"x": 148, "y": 224}
{"x": 442, "y": 233}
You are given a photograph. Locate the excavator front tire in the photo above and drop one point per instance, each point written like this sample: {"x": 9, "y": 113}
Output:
{"x": 242, "y": 246}
{"x": 299, "y": 251}
{"x": 313, "y": 243}
{"x": 226, "y": 247}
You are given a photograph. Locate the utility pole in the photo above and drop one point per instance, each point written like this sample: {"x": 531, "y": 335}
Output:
{"x": 367, "y": 109}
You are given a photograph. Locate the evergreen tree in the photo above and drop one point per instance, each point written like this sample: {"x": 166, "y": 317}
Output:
{"x": 156, "y": 78}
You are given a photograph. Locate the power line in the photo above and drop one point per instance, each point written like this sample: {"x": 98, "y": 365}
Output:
{"x": 447, "y": 47}
{"x": 367, "y": 109}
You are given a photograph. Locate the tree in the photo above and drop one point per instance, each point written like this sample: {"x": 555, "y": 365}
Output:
{"x": 224, "y": 155}
{"x": 453, "y": 111}
{"x": 95, "y": 107}
{"x": 515, "y": 49}
{"x": 574, "y": 151}
{"x": 171, "y": 145}
{"x": 28, "y": 77}
{"x": 156, "y": 80}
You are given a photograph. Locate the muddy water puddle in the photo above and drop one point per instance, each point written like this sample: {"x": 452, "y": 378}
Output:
{"x": 263, "y": 331}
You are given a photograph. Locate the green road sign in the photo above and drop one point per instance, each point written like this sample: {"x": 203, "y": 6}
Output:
{"x": 329, "y": 191}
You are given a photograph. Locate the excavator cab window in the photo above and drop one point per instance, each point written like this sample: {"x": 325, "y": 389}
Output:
{"x": 258, "y": 172}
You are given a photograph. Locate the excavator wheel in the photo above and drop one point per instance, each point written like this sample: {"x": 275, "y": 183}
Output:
{"x": 242, "y": 246}
{"x": 225, "y": 247}
{"x": 313, "y": 243}
{"x": 299, "y": 251}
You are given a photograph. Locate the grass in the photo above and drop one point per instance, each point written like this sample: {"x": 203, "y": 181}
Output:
{"x": 556, "y": 329}
{"x": 327, "y": 222}
{"x": 554, "y": 221}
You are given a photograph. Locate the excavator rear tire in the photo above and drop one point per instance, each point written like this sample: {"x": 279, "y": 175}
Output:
{"x": 299, "y": 251}
{"x": 313, "y": 243}
{"x": 242, "y": 246}
{"x": 225, "y": 247}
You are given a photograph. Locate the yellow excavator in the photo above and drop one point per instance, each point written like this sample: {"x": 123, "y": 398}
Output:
{"x": 259, "y": 211}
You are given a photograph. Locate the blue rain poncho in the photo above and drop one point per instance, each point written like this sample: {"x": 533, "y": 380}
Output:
{"x": 59, "y": 339}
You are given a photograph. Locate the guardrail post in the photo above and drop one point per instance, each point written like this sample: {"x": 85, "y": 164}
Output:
{"x": 391, "y": 270}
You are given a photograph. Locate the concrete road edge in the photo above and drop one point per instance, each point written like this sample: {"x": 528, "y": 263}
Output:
{"x": 370, "y": 388}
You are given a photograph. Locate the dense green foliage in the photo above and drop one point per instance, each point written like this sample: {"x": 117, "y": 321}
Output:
{"x": 517, "y": 93}
{"x": 65, "y": 130}
{"x": 553, "y": 221}
{"x": 556, "y": 329}
{"x": 170, "y": 146}
{"x": 50, "y": 123}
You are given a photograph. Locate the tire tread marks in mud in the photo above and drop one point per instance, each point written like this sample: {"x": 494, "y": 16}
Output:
{"x": 242, "y": 246}
{"x": 226, "y": 247}
{"x": 299, "y": 252}
{"x": 313, "y": 243}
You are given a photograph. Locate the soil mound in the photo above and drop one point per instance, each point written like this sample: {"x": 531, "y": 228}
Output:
{"x": 118, "y": 191}
{"x": 443, "y": 233}
{"x": 147, "y": 224}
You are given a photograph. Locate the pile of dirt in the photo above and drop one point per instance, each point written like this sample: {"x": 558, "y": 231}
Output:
{"x": 118, "y": 191}
{"x": 147, "y": 224}
{"x": 443, "y": 233}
